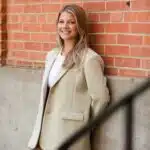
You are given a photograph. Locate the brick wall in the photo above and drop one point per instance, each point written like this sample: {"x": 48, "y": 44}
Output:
{"x": 119, "y": 31}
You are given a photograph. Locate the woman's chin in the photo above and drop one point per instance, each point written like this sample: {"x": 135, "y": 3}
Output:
{"x": 66, "y": 38}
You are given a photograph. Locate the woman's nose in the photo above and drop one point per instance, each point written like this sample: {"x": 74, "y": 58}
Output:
{"x": 65, "y": 25}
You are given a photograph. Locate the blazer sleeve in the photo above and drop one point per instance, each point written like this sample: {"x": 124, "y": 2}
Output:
{"x": 96, "y": 83}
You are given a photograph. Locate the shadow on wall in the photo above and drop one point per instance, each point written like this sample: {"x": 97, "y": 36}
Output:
{"x": 4, "y": 34}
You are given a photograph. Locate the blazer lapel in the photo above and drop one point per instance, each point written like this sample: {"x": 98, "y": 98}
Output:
{"x": 62, "y": 72}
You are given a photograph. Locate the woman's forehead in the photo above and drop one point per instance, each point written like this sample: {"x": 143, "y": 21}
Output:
{"x": 66, "y": 14}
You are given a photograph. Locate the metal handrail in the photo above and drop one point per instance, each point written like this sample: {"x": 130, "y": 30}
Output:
{"x": 103, "y": 115}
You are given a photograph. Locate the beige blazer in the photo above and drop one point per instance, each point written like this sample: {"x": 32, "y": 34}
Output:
{"x": 77, "y": 92}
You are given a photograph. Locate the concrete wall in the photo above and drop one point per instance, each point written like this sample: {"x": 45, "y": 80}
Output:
{"x": 19, "y": 97}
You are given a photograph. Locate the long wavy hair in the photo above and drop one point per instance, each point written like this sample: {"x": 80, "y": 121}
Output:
{"x": 75, "y": 56}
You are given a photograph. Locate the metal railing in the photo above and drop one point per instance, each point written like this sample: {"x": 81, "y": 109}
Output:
{"x": 104, "y": 114}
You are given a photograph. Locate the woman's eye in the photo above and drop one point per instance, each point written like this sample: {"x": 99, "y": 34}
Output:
{"x": 72, "y": 22}
{"x": 68, "y": 22}
{"x": 61, "y": 21}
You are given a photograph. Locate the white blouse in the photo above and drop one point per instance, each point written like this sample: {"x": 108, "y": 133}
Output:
{"x": 55, "y": 69}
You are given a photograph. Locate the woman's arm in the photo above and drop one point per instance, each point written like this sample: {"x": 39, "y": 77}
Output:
{"x": 96, "y": 82}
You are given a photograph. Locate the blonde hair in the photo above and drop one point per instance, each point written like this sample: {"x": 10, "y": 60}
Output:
{"x": 75, "y": 55}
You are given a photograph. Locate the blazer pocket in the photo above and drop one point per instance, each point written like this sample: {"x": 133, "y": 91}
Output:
{"x": 77, "y": 116}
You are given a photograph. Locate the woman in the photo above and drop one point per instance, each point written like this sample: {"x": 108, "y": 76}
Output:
{"x": 73, "y": 87}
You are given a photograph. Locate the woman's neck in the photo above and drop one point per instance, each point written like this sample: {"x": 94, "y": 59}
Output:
{"x": 68, "y": 46}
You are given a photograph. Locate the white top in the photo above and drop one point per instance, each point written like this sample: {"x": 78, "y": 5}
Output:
{"x": 55, "y": 69}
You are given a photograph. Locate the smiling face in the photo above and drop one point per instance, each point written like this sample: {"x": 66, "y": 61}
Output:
{"x": 67, "y": 27}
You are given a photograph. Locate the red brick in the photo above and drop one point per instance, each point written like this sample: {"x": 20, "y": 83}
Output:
{"x": 1, "y": 19}
{"x": 127, "y": 62}
{"x": 111, "y": 71}
{"x": 130, "y": 39}
{"x": 31, "y": 1}
{"x": 132, "y": 73}
{"x": 48, "y": 28}
{"x": 37, "y": 56}
{"x": 55, "y": 1}
{"x": 32, "y": 8}
{"x": 13, "y": 18}
{"x": 52, "y": 38}
{"x": 103, "y": 39}
{"x": 37, "y": 64}
{"x": 15, "y": 9}
{"x": 93, "y": 17}
{"x": 8, "y": 53}
{"x": 9, "y": 35}
{"x": 50, "y": 7}
{"x": 46, "y": 46}
{"x": 117, "y": 27}
{"x": 104, "y": 17}
{"x": 15, "y": 45}
{"x": 116, "y": 50}
{"x": 74, "y": 2}
{"x": 143, "y": 16}
{"x": 14, "y": 27}
{"x": 119, "y": 5}
{"x": 107, "y": 39}
{"x": 146, "y": 63}
{"x": 69, "y": 1}
{"x": 21, "y": 36}
{"x": 3, "y": 47}
{"x": 92, "y": 39}
{"x": 33, "y": 46}
{"x": 53, "y": 45}
{"x": 95, "y": 28}
{"x": 28, "y": 18}
{"x": 108, "y": 61}
{"x": 20, "y": 1}
{"x": 42, "y": 19}
{"x": 148, "y": 74}
{"x": 40, "y": 37}
{"x": 146, "y": 40}
{"x": 11, "y": 62}
{"x": 20, "y": 54}
{"x": 4, "y": 35}
{"x": 31, "y": 27}
{"x": 130, "y": 16}
{"x": 63, "y": 1}
{"x": 140, "y": 28}
{"x": 42, "y": 1}
{"x": 5, "y": 2}
{"x": 94, "y": 6}
{"x": 51, "y": 18}
{"x": 105, "y": 28}
{"x": 98, "y": 49}
{"x": 140, "y": 51}
{"x": 116, "y": 16}
{"x": 24, "y": 63}
{"x": 140, "y": 5}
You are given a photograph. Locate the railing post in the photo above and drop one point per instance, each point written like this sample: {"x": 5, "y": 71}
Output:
{"x": 129, "y": 126}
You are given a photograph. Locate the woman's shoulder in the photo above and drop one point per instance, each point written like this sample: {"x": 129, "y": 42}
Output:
{"x": 93, "y": 58}
{"x": 52, "y": 52}
{"x": 92, "y": 55}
